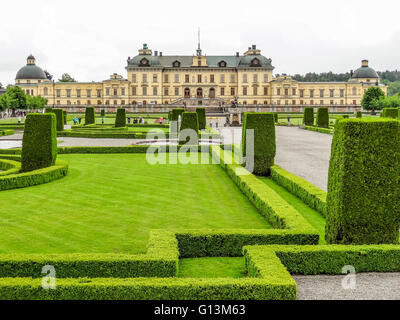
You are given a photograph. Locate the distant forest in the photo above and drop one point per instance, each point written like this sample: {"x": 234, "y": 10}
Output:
{"x": 390, "y": 78}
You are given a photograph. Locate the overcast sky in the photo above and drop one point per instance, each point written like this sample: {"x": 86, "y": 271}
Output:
{"x": 92, "y": 39}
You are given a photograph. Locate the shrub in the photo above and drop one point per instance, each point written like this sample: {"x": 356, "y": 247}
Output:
{"x": 48, "y": 110}
{"x": 39, "y": 144}
{"x": 175, "y": 113}
{"x": 359, "y": 114}
{"x": 390, "y": 113}
{"x": 201, "y": 115}
{"x": 103, "y": 113}
{"x": 65, "y": 116}
{"x": 189, "y": 121}
{"x": 59, "y": 119}
{"x": 323, "y": 117}
{"x": 89, "y": 115}
{"x": 263, "y": 125}
{"x": 120, "y": 120}
{"x": 308, "y": 116}
{"x": 363, "y": 193}
{"x": 276, "y": 117}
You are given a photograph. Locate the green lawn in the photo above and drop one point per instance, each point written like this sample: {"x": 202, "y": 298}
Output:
{"x": 109, "y": 203}
{"x": 212, "y": 268}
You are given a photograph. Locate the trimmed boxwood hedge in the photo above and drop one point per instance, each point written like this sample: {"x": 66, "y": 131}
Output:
{"x": 59, "y": 119}
{"x": 176, "y": 113}
{"x": 263, "y": 125}
{"x": 90, "y": 116}
{"x": 359, "y": 114}
{"x": 201, "y": 116}
{"x": 65, "y": 116}
{"x": 39, "y": 143}
{"x": 318, "y": 129}
{"x": 7, "y": 132}
{"x": 189, "y": 121}
{"x": 103, "y": 113}
{"x": 9, "y": 166}
{"x": 120, "y": 120}
{"x": 308, "y": 116}
{"x": 363, "y": 186}
{"x": 323, "y": 117}
{"x": 390, "y": 113}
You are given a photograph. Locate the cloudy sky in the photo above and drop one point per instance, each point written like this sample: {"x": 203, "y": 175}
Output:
{"x": 90, "y": 39}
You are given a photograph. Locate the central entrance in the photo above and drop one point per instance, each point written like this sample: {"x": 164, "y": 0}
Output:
{"x": 187, "y": 93}
{"x": 212, "y": 93}
{"x": 199, "y": 93}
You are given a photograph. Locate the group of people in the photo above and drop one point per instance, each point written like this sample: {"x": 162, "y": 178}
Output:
{"x": 77, "y": 120}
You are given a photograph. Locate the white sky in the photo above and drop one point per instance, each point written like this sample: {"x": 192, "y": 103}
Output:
{"x": 91, "y": 39}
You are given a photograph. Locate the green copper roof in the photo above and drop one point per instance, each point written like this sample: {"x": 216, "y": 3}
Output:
{"x": 365, "y": 72}
{"x": 30, "y": 72}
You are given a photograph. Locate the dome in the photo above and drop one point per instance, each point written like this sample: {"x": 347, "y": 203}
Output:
{"x": 365, "y": 72}
{"x": 30, "y": 71}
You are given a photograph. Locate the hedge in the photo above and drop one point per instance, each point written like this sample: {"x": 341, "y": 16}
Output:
{"x": 189, "y": 122}
{"x": 201, "y": 116}
{"x": 175, "y": 113}
{"x": 318, "y": 129}
{"x": 90, "y": 116}
{"x": 363, "y": 193}
{"x": 390, "y": 113}
{"x": 65, "y": 115}
{"x": 35, "y": 177}
{"x": 161, "y": 260}
{"x": 59, "y": 119}
{"x": 39, "y": 143}
{"x": 7, "y": 132}
{"x": 104, "y": 135}
{"x": 263, "y": 125}
{"x": 103, "y": 113}
{"x": 323, "y": 117}
{"x": 48, "y": 110}
{"x": 308, "y": 193}
{"x": 359, "y": 114}
{"x": 9, "y": 167}
{"x": 117, "y": 150}
{"x": 120, "y": 120}
{"x": 308, "y": 116}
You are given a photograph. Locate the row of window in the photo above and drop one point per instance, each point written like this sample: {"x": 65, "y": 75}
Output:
{"x": 200, "y": 78}
{"x": 78, "y": 92}
{"x": 311, "y": 102}
{"x": 322, "y": 92}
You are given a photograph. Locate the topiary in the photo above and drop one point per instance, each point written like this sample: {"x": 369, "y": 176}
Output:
{"x": 323, "y": 117}
{"x": 89, "y": 116}
{"x": 189, "y": 121}
{"x": 308, "y": 116}
{"x": 363, "y": 204}
{"x": 176, "y": 113}
{"x": 39, "y": 143}
{"x": 201, "y": 115}
{"x": 120, "y": 120}
{"x": 59, "y": 118}
{"x": 103, "y": 113}
{"x": 48, "y": 110}
{"x": 65, "y": 116}
{"x": 359, "y": 114}
{"x": 390, "y": 113}
{"x": 276, "y": 117}
{"x": 263, "y": 125}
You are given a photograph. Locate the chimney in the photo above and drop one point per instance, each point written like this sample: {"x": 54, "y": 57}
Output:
{"x": 351, "y": 73}
{"x": 237, "y": 54}
{"x": 155, "y": 53}
{"x": 254, "y": 47}
{"x": 364, "y": 63}
{"x": 160, "y": 54}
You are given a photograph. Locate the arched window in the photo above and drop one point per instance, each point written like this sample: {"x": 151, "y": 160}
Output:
{"x": 354, "y": 91}
{"x": 187, "y": 93}
{"x": 212, "y": 93}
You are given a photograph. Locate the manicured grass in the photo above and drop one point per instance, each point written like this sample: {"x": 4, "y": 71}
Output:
{"x": 109, "y": 203}
{"x": 313, "y": 217}
{"x": 212, "y": 268}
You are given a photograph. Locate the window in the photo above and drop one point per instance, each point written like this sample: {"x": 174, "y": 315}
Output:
{"x": 88, "y": 102}
{"x": 294, "y": 92}
{"x": 222, "y": 64}
{"x": 301, "y": 93}
{"x": 265, "y": 91}
{"x": 122, "y": 91}
{"x": 232, "y": 78}
{"x": 321, "y": 102}
{"x": 331, "y": 93}
{"x": 354, "y": 91}
{"x": 312, "y": 102}
{"x": 293, "y": 102}
{"x": 155, "y": 78}
{"x": 122, "y": 102}
{"x": 245, "y": 78}
{"x": 245, "y": 91}
{"x": 45, "y": 91}
{"x": 78, "y": 102}
{"x": 354, "y": 102}
{"x": 68, "y": 93}
{"x": 232, "y": 91}
{"x": 155, "y": 91}
{"x": 187, "y": 79}
{"x": 342, "y": 93}
{"x": 107, "y": 91}
{"x": 115, "y": 92}
{"x": 331, "y": 102}
{"x": 144, "y": 78}
{"x": 312, "y": 93}
{"x": 98, "y": 93}
{"x": 176, "y": 64}
{"x": 78, "y": 93}
{"x": 222, "y": 78}
{"x": 199, "y": 78}
{"x": 89, "y": 93}
{"x": 134, "y": 91}
{"x": 265, "y": 77}
{"x": 177, "y": 91}
{"x": 255, "y": 62}
{"x": 301, "y": 102}
{"x": 286, "y": 92}
{"x": 98, "y": 102}
{"x": 212, "y": 79}
{"x": 255, "y": 78}
{"x": 58, "y": 93}
{"x": 144, "y": 90}
{"x": 107, "y": 102}
{"x": 166, "y": 91}
{"x": 68, "y": 102}
{"x": 176, "y": 80}
{"x": 115, "y": 102}
{"x": 255, "y": 91}
{"x": 278, "y": 91}
{"x": 222, "y": 91}
{"x": 134, "y": 77}
{"x": 166, "y": 78}
{"x": 321, "y": 93}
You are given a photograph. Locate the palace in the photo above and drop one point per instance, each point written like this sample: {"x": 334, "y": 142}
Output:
{"x": 156, "y": 81}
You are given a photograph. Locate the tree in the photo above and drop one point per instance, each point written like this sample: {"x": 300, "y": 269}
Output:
{"x": 370, "y": 100}
{"x": 17, "y": 98}
{"x": 66, "y": 78}
{"x": 4, "y": 102}
{"x": 35, "y": 102}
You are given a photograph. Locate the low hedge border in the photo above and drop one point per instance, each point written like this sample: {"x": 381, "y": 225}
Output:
{"x": 104, "y": 135}
{"x": 9, "y": 167}
{"x": 301, "y": 188}
{"x": 161, "y": 260}
{"x": 36, "y": 177}
{"x": 318, "y": 129}
{"x": 6, "y": 132}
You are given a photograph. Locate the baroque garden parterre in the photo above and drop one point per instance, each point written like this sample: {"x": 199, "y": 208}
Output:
{"x": 116, "y": 227}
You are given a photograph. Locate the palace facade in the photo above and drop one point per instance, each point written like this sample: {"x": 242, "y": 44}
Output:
{"x": 157, "y": 81}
